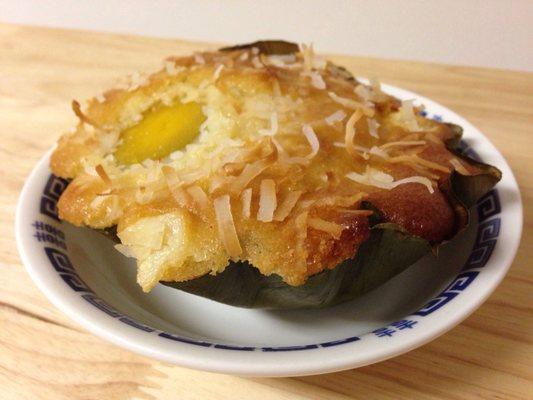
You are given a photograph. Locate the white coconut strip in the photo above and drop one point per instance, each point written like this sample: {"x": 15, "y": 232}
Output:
{"x": 246, "y": 198}
{"x": 287, "y": 205}
{"x": 337, "y": 116}
{"x": 267, "y": 200}
{"x": 382, "y": 180}
{"x": 226, "y": 226}
{"x": 351, "y": 131}
{"x": 311, "y": 137}
{"x": 332, "y": 228}
{"x": 459, "y": 167}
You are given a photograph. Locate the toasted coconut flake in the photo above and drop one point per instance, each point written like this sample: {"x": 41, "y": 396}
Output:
{"x": 273, "y": 126}
{"x": 192, "y": 176}
{"x": 373, "y": 126}
{"x": 408, "y": 116}
{"x": 311, "y": 137}
{"x": 351, "y": 131}
{"x": 143, "y": 196}
{"x": 249, "y": 172}
{"x": 308, "y": 55}
{"x": 459, "y": 167}
{"x": 136, "y": 81}
{"x": 181, "y": 197}
{"x": 76, "y": 108}
{"x": 103, "y": 175}
{"x": 332, "y": 228}
{"x": 257, "y": 63}
{"x": 352, "y": 104}
{"x": 343, "y": 101}
{"x": 112, "y": 206}
{"x": 287, "y": 205}
{"x": 404, "y": 143}
{"x": 175, "y": 187}
{"x": 364, "y": 151}
{"x": 219, "y": 182}
{"x": 413, "y": 158}
{"x": 317, "y": 81}
{"x": 382, "y": 180}
{"x": 416, "y": 179}
{"x": 246, "y": 198}
{"x": 363, "y": 92}
{"x": 285, "y": 61}
{"x": 376, "y": 151}
{"x": 267, "y": 200}
{"x": 199, "y": 197}
{"x": 226, "y": 226}
{"x": 337, "y": 116}
{"x": 199, "y": 59}
{"x": 217, "y": 72}
{"x": 97, "y": 201}
{"x": 171, "y": 68}
{"x": 171, "y": 176}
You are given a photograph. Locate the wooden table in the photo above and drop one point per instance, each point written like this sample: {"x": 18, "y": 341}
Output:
{"x": 44, "y": 355}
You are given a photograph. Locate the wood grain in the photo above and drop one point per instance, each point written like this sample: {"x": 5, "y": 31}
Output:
{"x": 43, "y": 355}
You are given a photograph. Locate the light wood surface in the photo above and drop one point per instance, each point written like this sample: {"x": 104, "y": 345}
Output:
{"x": 44, "y": 355}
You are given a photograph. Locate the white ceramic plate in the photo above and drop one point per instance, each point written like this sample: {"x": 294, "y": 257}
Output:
{"x": 81, "y": 273}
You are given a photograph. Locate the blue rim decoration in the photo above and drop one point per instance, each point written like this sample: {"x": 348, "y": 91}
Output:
{"x": 54, "y": 245}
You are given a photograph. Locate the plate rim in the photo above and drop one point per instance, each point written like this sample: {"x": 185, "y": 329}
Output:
{"x": 261, "y": 363}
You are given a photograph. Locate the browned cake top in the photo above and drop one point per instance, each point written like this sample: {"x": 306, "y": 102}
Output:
{"x": 245, "y": 156}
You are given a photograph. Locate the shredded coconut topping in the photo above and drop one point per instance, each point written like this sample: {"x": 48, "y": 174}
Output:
{"x": 288, "y": 204}
{"x": 332, "y": 228}
{"x": 459, "y": 167}
{"x": 257, "y": 63}
{"x": 199, "y": 59}
{"x": 267, "y": 200}
{"x": 226, "y": 226}
{"x": 246, "y": 197}
{"x": 317, "y": 81}
{"x": 351, "y": 131}
{"x": 172, "y": 69}
{"x": 408, "y": 116}
{"x": 373, "y": 126}
{"x": 273, "y": 126}
{"x": 348, "y": 103}
{"x": 337, "y": 116}
{"x": 382, "y": 180}
{"x": 217, "y": 72}
{"x": 312, "y": 139}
